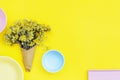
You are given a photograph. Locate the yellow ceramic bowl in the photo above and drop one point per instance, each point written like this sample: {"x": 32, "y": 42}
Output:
{"x": 10, "y": 69}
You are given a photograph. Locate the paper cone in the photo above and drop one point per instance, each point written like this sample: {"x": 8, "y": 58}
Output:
{"x": 28, "y": 56}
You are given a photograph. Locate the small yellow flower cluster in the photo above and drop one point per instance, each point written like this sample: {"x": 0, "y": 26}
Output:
{"x": 26, "y": 33}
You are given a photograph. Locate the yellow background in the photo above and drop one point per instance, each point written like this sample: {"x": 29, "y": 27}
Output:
{"x": 87, "y": 32}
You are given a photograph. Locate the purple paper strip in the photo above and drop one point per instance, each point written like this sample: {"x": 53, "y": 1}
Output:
{"x": 104, "y": 75}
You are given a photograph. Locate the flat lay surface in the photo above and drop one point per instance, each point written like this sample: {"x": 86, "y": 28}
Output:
{"x": 86, "y": 32}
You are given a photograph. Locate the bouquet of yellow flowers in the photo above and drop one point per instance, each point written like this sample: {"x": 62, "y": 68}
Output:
{"x": 28, "y": 34}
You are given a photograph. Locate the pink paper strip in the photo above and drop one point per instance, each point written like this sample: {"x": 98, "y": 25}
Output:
{"x": 104, "y": 75}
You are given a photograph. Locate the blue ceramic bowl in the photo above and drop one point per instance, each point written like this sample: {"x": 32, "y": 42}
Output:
{"x": 53, "y": 61}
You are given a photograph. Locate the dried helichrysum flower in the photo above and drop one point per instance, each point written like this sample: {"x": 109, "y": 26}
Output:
{"x": 26, "y": 33}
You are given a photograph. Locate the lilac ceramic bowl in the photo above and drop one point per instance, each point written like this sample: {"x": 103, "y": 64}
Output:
{"x": 3, "y": 20}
